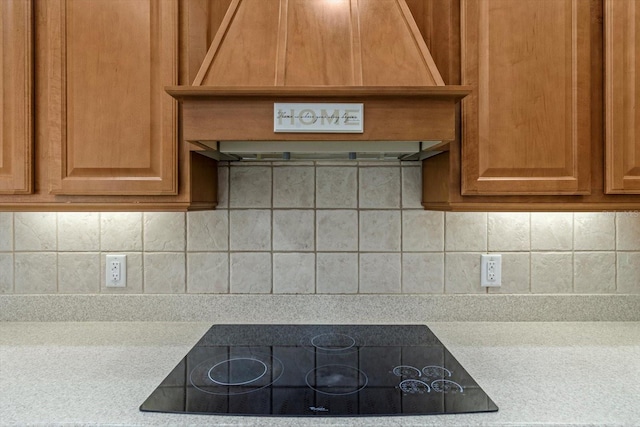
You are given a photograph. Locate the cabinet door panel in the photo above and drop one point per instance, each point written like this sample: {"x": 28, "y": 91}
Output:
{"x": 16, "y": 120}
{"x": 112, "y": 127}
{"x": 526, "y": 126}
{"x": 622, "y": 74}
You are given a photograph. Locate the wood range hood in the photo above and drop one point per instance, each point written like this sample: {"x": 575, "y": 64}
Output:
{"x": 318, "y": 52}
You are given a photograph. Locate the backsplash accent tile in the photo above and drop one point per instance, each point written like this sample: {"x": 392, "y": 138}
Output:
{"x": 164, "y": 231}
{"x": 293, "y": 230}
{"x": 251, "y": 187}
{"x": 336, "y": 187}
{"x": 594, "y": 272}
{"x": 35, "y": 231}
{"x": 208, "y": 273}
{"x": 294, "y": 273}
{"x": 164, "y": 273}
{"x": 6, "y": 231}
{"x": 551, "y": 231}
{"x": 337, "y": 230}
{"x": 380, "y": 231}
{"x": 121, "y": 231}
{"x": 379, "y": 187}
{"x": 380, "y": 273}
{"x": 551, "y": 273}
{"x": 293, "y": 187}
{"x": 337, "y": 273}
{"x": 325, "y": 228}
{"x": 36, "y": 272}
{"x": 78, "y": 273}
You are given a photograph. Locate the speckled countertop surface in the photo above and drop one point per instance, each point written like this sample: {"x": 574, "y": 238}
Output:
{"x": 98, "y": 373}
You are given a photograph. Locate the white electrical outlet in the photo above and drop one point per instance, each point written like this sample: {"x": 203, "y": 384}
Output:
{"x": 116, "y": 271}
{"x": 491, "y": 270}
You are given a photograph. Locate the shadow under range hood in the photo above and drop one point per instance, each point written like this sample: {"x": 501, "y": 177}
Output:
{"x": 318, "y": 79}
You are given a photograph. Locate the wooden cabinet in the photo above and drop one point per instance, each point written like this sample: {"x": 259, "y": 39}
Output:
{"x": 107, "y": 134}
{"x": 622, "y": 96}
{"x": 532, "y": 132}
{"x": 16, "y": 87}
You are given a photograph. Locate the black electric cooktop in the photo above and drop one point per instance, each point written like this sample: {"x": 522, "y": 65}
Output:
{"x": 319, "y": 370}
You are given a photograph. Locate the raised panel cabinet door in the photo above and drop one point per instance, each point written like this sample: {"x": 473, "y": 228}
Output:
{"x": 16, "y": 86}
{"x": 112, "y": 128}
{"x": 622, "y": 96}
{"x": 526, "y": 127}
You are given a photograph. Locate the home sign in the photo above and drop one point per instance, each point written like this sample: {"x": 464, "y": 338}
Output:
{"x": 318, "y": 117}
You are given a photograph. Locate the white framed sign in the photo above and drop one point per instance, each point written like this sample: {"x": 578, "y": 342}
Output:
{"x": 318, "y": 117}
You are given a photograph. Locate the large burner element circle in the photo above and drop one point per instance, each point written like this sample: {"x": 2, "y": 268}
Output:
{"x": 241, "y": 374}
{"x": 336, "y": 380}
{"x": 237, "y": 371}
{"x": 333, "y": 342}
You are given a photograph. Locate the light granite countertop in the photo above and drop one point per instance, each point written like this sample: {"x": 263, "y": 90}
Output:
{"x": 538, "y": 373}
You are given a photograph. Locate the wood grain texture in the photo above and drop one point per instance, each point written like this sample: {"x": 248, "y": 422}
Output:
{"x": 113, "y": 129}
{"x": 527, "y": 129}
{"x": 622, "y": 89}
{"x": 16, "y": 104}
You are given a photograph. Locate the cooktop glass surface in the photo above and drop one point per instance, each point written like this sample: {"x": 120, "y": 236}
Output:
{"x": 319, "y": 370}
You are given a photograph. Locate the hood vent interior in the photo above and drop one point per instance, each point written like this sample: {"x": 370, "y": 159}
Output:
{"x": 318, "y": 53}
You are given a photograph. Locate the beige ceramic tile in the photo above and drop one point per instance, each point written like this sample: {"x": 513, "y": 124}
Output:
{"x": 134, "y": 274}
{"x": 208, "y": 231}
{"x": 293, "y": 230}
{"x": 594, "y": 231}
{"x": 412, "y": 186}
{"x": 628, "y": 279}
{"x": 223, "y": 186}
{"x": 337, "y": 187}
{"x": 380, "y": 231}
{"x": 509, "y": 231}
{"x": 422, "y": 231}
{"x": 164, "y": 273}
{"x": 422, "y": 273}
{"x": 35, "y": 231}
{"x": 164, "y": 231}
{"x": 380, "y": 273}
{"x": 293, "y": 187}
{"x": 79, "y": 231}
{"x": 250, "y": 230}
{"x": 6, "y": 273}
{"x": 250, "y": 187}
{"x": 551, "y": 231}
{"x": 337, "y": 273}
{"x": 337, "y": 230}
{"x": 294, "y": 273}
{"x": 250, "y": 273}
{"x": 516, "y": 275}
{"x": 35, "y": 273}
{"x": 78, "y": 273}
{"x": 628, "y": 231}
{"x": 121, "y": 231}
{"x": 594, "y": 272}
{"x": 551, "y": 273}
{"x": 462, "y": 273}
{"x": 6, "y": 231}
{"x": 208, "y": 273}
{"x": 466, "y": 232}
{"x": 379, "y": 187}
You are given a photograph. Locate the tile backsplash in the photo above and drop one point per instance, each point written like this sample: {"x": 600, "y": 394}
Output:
{"x": 325, "y": 228}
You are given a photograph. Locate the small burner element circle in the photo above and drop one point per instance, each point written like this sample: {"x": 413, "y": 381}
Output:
{"x": 336, "y": 380}
{"x": 446, "y": 386}
{"x": 412, "y": 386}
{"x": 333, "y": 342}
{"x": 434, "y": 371}
{"x": 407, "y": 371}
{"x": 253, "y": 370}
